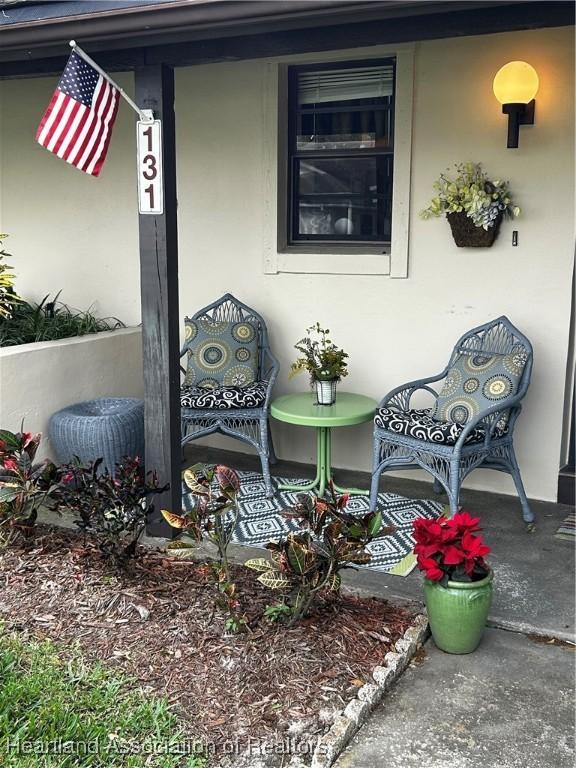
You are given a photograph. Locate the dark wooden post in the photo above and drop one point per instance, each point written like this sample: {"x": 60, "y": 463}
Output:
{"x": 160, "y": 313}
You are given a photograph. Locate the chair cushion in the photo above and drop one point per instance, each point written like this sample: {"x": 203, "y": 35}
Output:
{"x": 421, "y": 425}
{"x": 223, "y": 398}
{"x": 476, "y": 382}
{"x": 220, "y": 353}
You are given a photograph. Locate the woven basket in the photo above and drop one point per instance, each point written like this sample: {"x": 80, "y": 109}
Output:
{"x": 107, "y": 427}
{"x": 467, "y": 235}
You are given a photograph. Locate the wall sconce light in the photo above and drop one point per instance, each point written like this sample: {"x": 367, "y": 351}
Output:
{"x": 515, "y": 87}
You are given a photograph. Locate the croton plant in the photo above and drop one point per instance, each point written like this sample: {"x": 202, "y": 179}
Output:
{"x": 212, "y": 513}
{"x": 24, "y": 483}
{"x": 448, "y": 549}
{"x": 306, "y": 564}
{"x": 113, "y": 507}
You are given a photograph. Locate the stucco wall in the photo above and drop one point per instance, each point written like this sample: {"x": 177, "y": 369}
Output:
{"x": 36, "y": 380}
{"x": 68, "y": 231}
{"x": 74, "y": 232}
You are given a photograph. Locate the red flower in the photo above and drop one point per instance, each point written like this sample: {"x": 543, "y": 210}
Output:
{"x": 462, "y": 522}
{"x": 430, "y": 568}
{"x": 448, "y": 547}
{"x": 474, "y": 550}
{"x": 453, "y": 555}
{"x": 10, "y": 464}
{"x": 427, "y": 531}
{"x": 68, "y": 477}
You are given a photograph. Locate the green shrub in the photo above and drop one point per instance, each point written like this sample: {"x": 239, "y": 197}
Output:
{"x": 48, "y": 321}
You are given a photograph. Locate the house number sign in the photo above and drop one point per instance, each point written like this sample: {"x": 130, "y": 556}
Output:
{"x": 150, "y": 178}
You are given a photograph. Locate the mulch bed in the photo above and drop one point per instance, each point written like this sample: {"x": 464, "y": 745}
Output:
{"x": 157, "y": 623}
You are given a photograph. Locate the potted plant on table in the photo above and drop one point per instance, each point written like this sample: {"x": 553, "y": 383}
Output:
{"x": 323, "y": 360}
{"x": 458, "y": 581}
{"x": 474, "y": 205}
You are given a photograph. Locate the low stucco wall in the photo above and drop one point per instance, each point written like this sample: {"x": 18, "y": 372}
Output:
{"x": 38, "y": 379}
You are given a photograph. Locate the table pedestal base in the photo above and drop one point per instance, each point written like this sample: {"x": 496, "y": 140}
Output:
{"x": 323, "y": 468}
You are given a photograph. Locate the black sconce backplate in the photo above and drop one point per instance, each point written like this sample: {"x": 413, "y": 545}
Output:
{"x": 518, "y": 114}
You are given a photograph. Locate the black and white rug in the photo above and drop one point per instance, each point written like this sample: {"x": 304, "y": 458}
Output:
{"x": 260, "y": 520}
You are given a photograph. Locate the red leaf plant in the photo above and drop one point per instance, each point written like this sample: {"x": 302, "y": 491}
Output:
{"x": 24, "y": 484}
{"x": 447, "y": 549}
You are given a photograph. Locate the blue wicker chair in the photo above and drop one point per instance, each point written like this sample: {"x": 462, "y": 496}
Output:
{"x": 472, "y": 422}
{"x": 238, "y": 411}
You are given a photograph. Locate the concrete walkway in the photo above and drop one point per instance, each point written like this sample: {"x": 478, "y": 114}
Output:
{"x": 508, "y": 705}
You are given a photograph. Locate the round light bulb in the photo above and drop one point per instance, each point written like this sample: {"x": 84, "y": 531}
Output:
{"x": 516, "y": 83}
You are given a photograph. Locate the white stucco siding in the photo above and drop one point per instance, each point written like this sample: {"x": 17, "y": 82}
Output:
{"x": 69, "y": 231}
{"x": 394, "y": 329}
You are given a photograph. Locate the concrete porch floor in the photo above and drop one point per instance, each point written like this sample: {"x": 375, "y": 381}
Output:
{"x": 534, "y": 572}
{"x": 510, "y": 704}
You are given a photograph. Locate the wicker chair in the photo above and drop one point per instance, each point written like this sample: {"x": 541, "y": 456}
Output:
{"x": 450, "y": 441}
{"x": 240, "y": 412}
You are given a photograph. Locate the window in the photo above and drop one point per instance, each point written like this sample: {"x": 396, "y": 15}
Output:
{"x": 340, "y": 153}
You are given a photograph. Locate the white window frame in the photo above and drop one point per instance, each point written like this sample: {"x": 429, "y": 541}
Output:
{"x": 356, "y": 260}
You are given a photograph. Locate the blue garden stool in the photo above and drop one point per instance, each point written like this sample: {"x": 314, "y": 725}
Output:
{"x": 107, "y": 427}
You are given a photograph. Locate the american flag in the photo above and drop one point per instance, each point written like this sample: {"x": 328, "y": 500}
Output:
{"x": 78, "y": 122}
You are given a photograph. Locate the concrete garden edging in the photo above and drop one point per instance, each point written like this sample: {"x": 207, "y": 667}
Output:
{"x": 357, "y": 711}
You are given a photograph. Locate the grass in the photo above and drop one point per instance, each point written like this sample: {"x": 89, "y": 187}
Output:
{"x": 60, "y": 713}
{"x": 48, "y": 321}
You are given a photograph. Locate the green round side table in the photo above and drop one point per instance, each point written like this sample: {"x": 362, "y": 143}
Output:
{"x": 301, "y": 409}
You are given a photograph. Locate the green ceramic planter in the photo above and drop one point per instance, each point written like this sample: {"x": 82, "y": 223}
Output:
{"x": 457, "y": 613}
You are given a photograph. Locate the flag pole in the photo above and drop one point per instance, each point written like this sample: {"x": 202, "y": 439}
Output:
{"x": 146, "y": 115}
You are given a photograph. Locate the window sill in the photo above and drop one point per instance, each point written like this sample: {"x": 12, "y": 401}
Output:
{"x": 341, "y": 262}
{"x": 344, "y": 249}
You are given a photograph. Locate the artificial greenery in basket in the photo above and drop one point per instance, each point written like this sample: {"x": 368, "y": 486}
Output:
{"x": 473, "y": 203}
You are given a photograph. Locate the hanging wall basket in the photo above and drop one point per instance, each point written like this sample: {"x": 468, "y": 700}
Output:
{"x": 467, "y": 235}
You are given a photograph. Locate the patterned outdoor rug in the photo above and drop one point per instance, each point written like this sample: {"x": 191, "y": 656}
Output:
{"x": 568, "y": 528}
{"x": 260, "y": 520}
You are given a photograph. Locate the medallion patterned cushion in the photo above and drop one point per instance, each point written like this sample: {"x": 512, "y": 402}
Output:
{"x": 420, "y": 425}
{"x": 223, "y": 398}
{"x": 476, "y": 382}
{"x": 220, "y": 353}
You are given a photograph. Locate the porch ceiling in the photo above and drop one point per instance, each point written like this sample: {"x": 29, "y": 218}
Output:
{"x": 186, "y": 32}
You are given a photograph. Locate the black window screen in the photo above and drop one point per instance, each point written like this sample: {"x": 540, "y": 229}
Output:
{"x": 341, "y": 145}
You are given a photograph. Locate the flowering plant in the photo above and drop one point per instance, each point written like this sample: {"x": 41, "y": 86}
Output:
{"x": 447, "y": 549}
{"x": 320, "y": 356}
{"x": 473, "y": 193}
